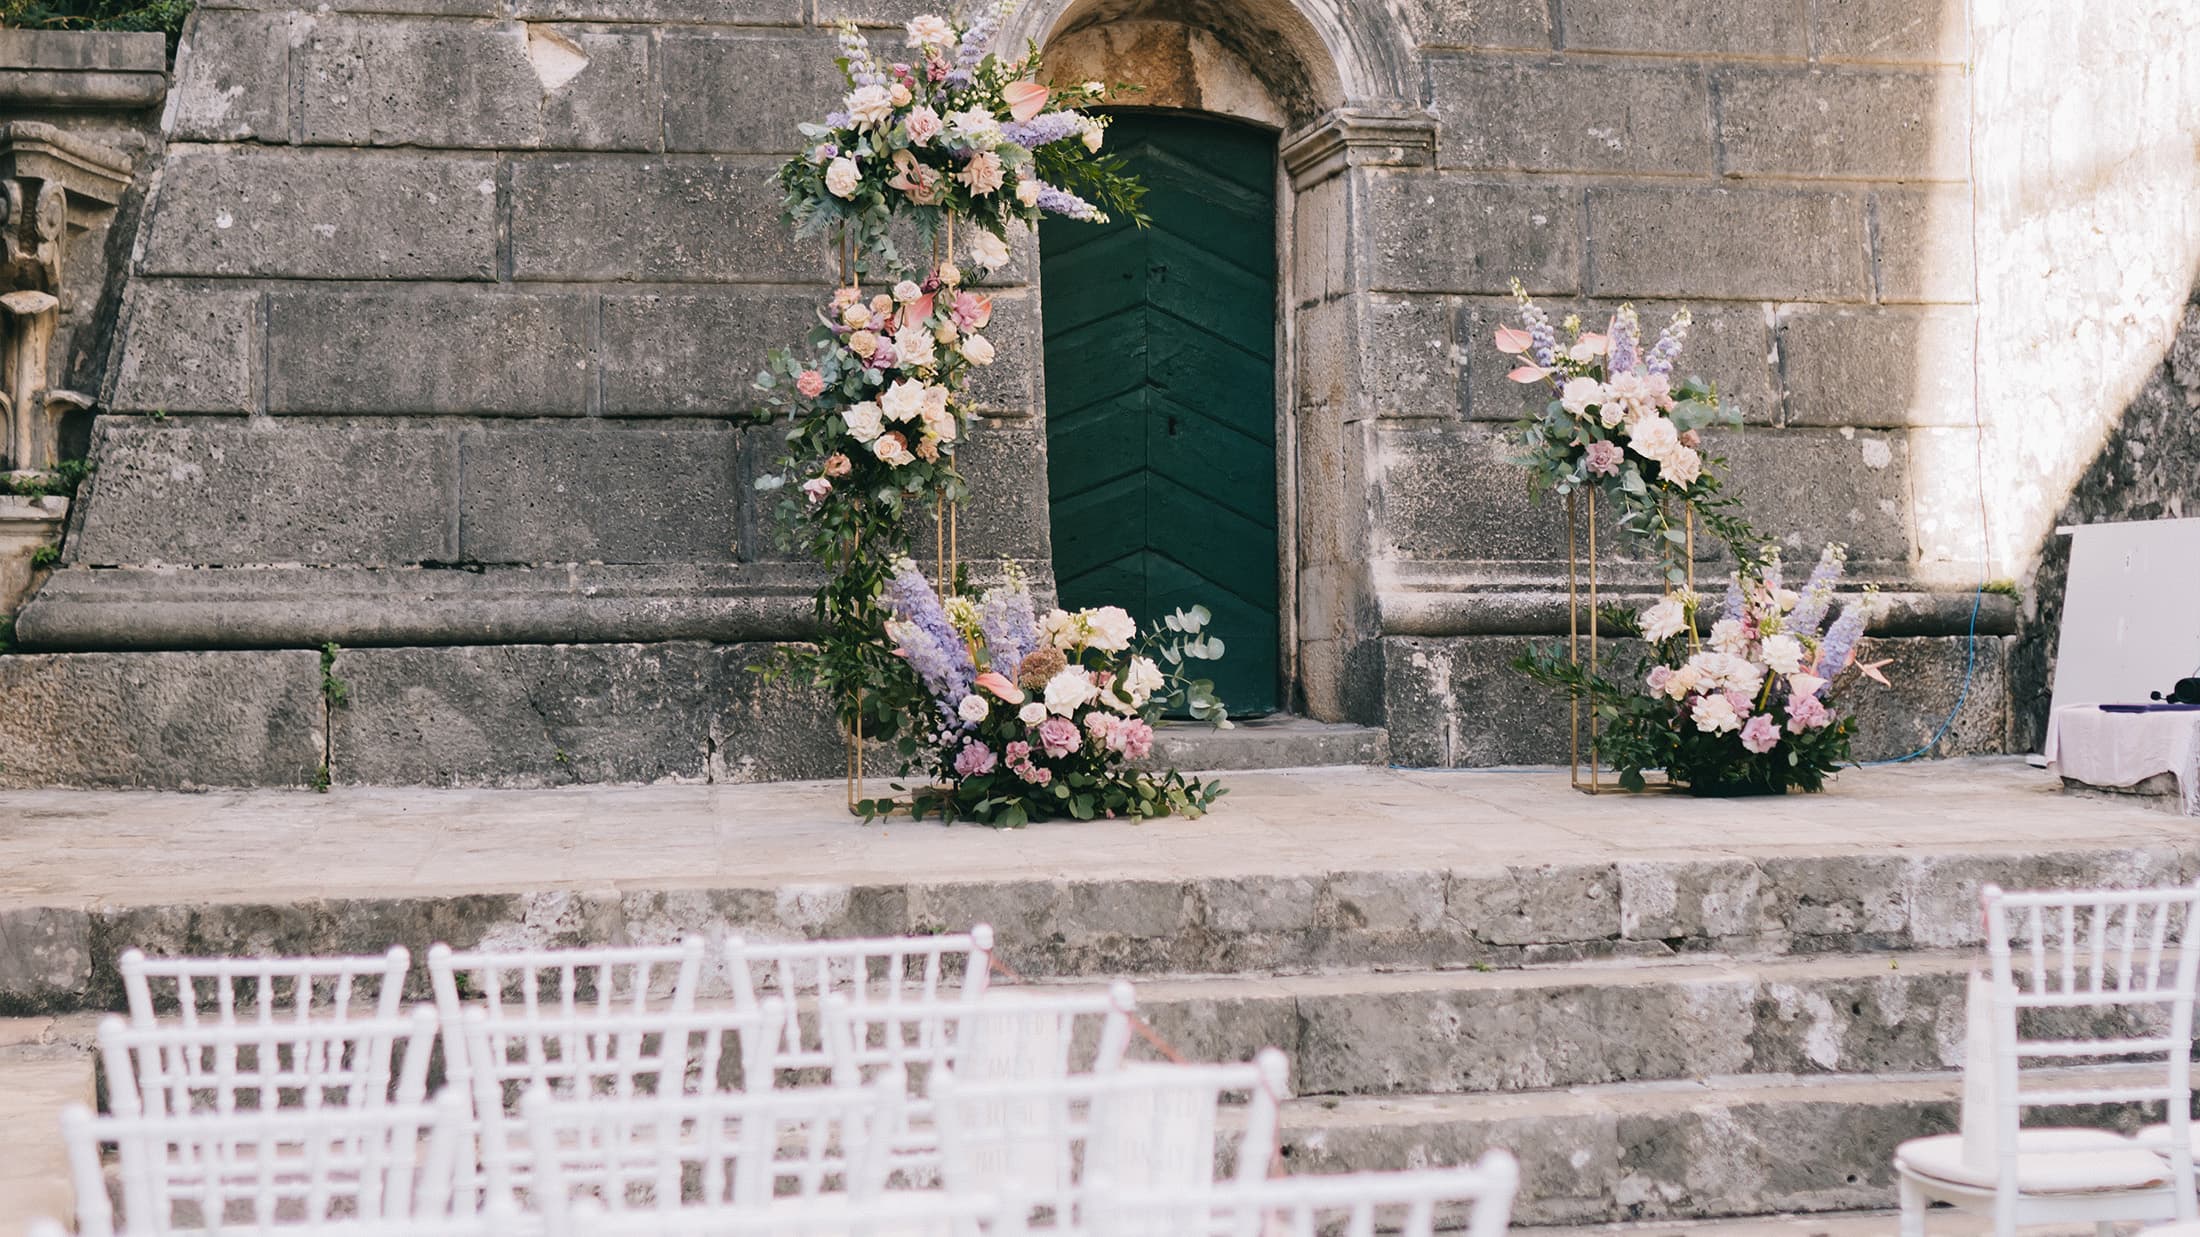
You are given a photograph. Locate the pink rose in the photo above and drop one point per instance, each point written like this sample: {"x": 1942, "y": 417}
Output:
{"x": 810, "y": 383}
{"x": 1605, "y": 458}
{"x": 924, "y": 125}
{"x": 971, "y": 311}
{"x": 1133, "y": 738}
{"x": 1659, "y": 677}
{"x": 817, "y": 488}
{"x": 1761, "y": 735}
{"x": 1740, "y": 700}
{"x": 974, "y": 759}
{"x": 1059, "y": 736}
{"x": 1807, "y": 711}
{"x": 1019, "y": 752}
{"x": 843, "y": 298}
{"x": 1037, "y": 775}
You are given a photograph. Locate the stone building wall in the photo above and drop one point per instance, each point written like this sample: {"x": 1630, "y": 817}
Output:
{"x": 441, "y": 317}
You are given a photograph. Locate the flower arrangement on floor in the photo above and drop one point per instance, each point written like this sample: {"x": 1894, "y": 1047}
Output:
{"x": 1749, "y": 708}
{"x": 1622, "y": 422}
{"x": 1029, "y": 716}
{"x": 953, "y": 130}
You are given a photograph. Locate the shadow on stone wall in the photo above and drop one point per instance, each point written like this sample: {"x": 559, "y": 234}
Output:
{"x": 2148, "y": 469}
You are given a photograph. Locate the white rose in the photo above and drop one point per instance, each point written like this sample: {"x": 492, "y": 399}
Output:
{"x": 1664, "y": 620}
{"x": 1142, "y": 680}
{"x": 913, "y": 346}
{"x": 988, "y": 251}
{"x": 1093, "y": 131}
{"x": 1727, "y": 636}
{"x": 1653, "y": 438}
{"x": 1715, "y": 715}
{"x": 904, "y": 400}
{"x": 1032, "y": 714}
{"x": 930, "y": 30}
{"x": 1783, "y": 653}
{"x": 841, "y": 177}
{"x": 1070, "y": 691}
{"x": 863, "y": 420}
{"x": 1682, "y": 465}
{"x": 1109, "y": 628}
{"x": 1788, "y": 599}
{"x": 1579, "y": 393}
{"x": 973, "y": 708}
{"x": 892, "y": 448}
{"x": 869, "y": 105}
{"x": 976, "y": 125}
{"x": 939, "y": 419}
{"x": 1059, "y": 629}
{"x": 1684, "y": 681}
{"x": 977, "y": 349}
{"x": 1027, "y": 192}
{"x": 907, "y": 290}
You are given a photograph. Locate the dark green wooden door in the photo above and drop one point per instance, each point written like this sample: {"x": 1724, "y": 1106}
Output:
{"x": 1161, "y": 410}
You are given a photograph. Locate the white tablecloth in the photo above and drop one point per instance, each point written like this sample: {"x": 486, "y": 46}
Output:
{"x": 2087, "y": 745}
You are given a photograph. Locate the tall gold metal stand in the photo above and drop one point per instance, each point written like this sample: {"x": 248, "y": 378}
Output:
{"x": 1593, "y": 783}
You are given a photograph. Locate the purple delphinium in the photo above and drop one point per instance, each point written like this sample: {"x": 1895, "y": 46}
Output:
{"x": 1011, "y": 630}
{"x": 978, "y": 40}
{"x": 837, "y": 120}
{"x": 1840, "y": 643}
{"x": 1730, "y": 608}
{"x": 1817, "y": 597}
{"x": 1668, "y": 348}
{"x": 934, "y": 648}
{"x": 863, "y": 68}
{"x": 1543, "y": 341}
{"x": 1044, "y": 129}
{"x": 1068, "y": 205}
{"x": 1624, "y": 333}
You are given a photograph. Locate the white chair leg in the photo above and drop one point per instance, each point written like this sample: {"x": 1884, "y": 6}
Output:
{"x": 1913, "y": 1209}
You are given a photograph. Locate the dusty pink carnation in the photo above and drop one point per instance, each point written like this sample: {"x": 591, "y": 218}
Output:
{"x": 974, "y": 759}
{"x": 1058, "y": 735}
{"x": 1659, "y": 677}
{"x": 810, "y": 383}
{"x": 1761, "y": 735}
{"x": 1807, "y": 712}
{"x": 1133, "y": 738}
{"x": 1605, "y": 458}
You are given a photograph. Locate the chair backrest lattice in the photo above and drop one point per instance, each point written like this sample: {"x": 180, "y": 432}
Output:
{"x": 226, "y": 991}
{"x": 867, "y": 971}
{"x": 667, "y": 1154}
{"x": 532, "y": 983}
{"x": 175, "y": 1070}
{"x": 328, "y": 1170}
{"x": 900, "y": 1214}
{"x": 1021, "y": 1034}
{"x": 1140, "y": 1127}
{"x": 2099, "y": 977}
{"x": 618, "y": 1056}
{"x": 1405, "y": 1204}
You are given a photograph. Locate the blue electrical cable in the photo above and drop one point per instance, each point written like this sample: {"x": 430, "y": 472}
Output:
{"x": 1970, "y": 663}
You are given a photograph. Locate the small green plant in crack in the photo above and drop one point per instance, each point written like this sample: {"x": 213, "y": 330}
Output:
{"x": 334, "y": 690}
{"x": 320, "y": 779}
{"x": 45, "y": 556}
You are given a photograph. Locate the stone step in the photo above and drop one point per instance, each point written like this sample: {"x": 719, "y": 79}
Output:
{"x": 57, "y": 954}
{"x": 1277, "y": 742}
{"x": 1941, "y": 1223}
{"x": 1708, "y": 1149}
{"x": 1445, "y": 1032}
{"x": 45, "y": 1065}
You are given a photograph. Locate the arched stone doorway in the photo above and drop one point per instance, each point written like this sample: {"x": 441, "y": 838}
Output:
{"x": 1325, "y": 89}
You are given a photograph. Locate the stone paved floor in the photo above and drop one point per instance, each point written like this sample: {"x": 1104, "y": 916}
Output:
{"x": 80, "y": 848}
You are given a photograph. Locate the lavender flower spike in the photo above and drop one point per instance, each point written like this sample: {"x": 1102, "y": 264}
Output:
{"x": 1011, "y": 630}
{"x": 1668, "y": 348}
{"x": 1068, "y": 205}
{"x": 1840, "y": 642}
{"x": 1043, "y": 129}
{"x": 1817, "y": 599}
{"x": 934, "y": 649}
{"x": 1626, "y": 335}
{"x": 1730, "y": 608}
{"x": 978, "y": 39}
{"x": 856, "y": 50}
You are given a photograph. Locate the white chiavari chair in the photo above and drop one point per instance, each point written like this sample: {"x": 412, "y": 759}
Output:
{"x": 1407, "y": 1204}
{"x": 189, "y": 991}
{"x": 177, "y": 1070}
{"x": 867, "y": 971}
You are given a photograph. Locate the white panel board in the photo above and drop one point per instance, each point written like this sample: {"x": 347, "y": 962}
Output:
{"x": 2131, "y": 612}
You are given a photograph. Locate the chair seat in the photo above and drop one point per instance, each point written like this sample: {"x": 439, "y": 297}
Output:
{"x": 2048, "y": 1162}
{"x": 2157, "y": 1138}
{"x": 2190, "y": 1228}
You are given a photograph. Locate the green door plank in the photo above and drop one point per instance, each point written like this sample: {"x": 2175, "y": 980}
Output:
{"x": 1160, "y": 391}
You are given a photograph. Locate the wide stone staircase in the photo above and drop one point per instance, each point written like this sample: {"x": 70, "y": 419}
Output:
{"x": 1689, "y": 1042}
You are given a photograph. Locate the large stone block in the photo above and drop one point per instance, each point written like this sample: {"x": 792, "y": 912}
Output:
{"x": 525, "y": 715}
{"x": 428, "y": 350}
{"x": 770, "y": 726}
{"x": 1808, "y": 487}
{"x": 1732, "y": 244}
{"x": 233, "y": 77}
{"x": 1889, "y": 30}
{"x": 187, "y": 348}
{"x": 421, "y": 8}
{"x": 1729, "y": 346}
{"x": 1007, "y": 515}
{"x": 1765, "y": 29}
{"x": 585, "y": 493}
{"x": 1481, "y": 23}
{"x": 1013, "y": 383}
{"x": 323, "y": 215}
{"x": 1428, "y": 232}
{"x": 1841, "y": 123}
{"x": 45, "y": 958}
{"x": 694, "y": 353}
{"x": 170, "y": 721}
{"x": 1877, "y": 367}
{"x": 1457, "y": 702}
{"x": 230, "y": 493}
{"x": 1451, "y": 495}
{"x": 501, "y": 85}
{"x": 704, "y": 12}
{"x": 785, "y": 80}
{"x": 684, "y": 219}
{"x": 1409, "y": 361}
{"x": 1570, "y": 117}
{"x": 1924, "y": 245}
{"x": 1954, "y": 681}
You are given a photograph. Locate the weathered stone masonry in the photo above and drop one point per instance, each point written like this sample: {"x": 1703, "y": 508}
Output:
{"x": 448, "y": 308}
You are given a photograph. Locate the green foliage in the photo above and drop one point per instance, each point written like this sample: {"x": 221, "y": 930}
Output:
{"x": 163, "y": 16}
{"x": 334, "y": 690}
{"x": 2000, "y": 588}
{"x": 7, "y": 634}
{"x": 45, "y": 556}
{"x": 64, "y": 480}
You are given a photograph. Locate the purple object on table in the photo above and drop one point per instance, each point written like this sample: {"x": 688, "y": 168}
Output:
{"x": 2150, "y": 708}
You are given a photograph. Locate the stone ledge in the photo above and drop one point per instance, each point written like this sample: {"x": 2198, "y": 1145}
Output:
{"x": 1444, "y": 601}
{"x": 83, "y": 69}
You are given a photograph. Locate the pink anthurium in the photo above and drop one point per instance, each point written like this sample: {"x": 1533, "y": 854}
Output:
{"x": 1512, "y": 340}
{"x": 1024, "y": 99}
{"x": 997, "y": 683}
{"x": 1596, "y": 344}
{"x": 1529, "y": 373}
